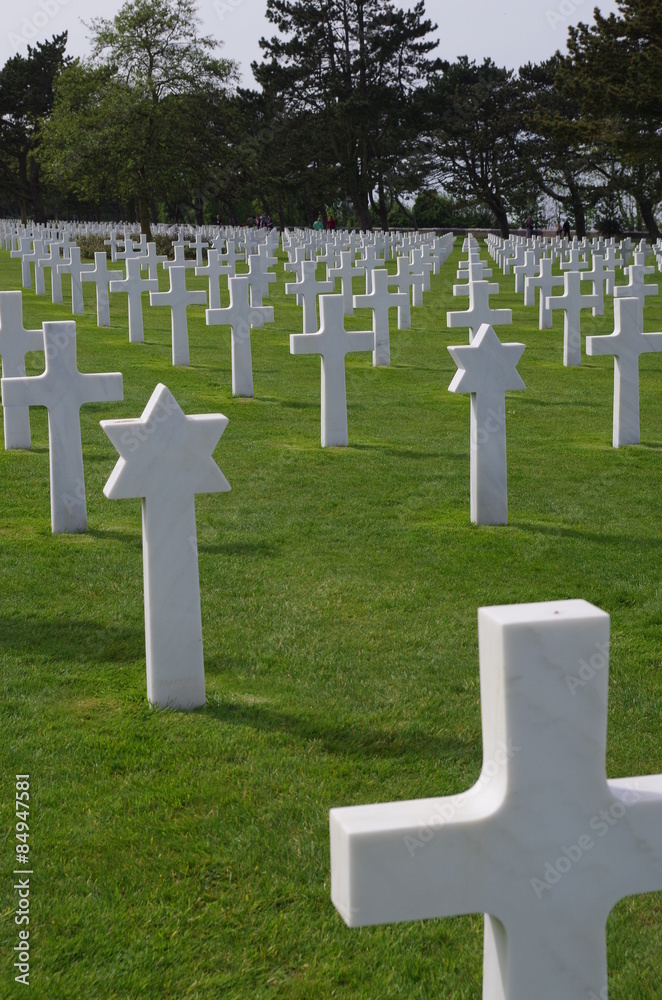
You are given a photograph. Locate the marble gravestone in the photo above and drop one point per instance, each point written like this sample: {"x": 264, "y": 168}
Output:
{"x": 134, "y": 286}
{"x": 380, "y": 301}
{"x": 572, "y": 302}
{"x": 101, "y": 277}
{"x": 63, "y": 389}
{"x": 487, "y": 369}
{"x": 333, "y": 342}
{"x": 626, "y": 343}
{"x": 213, "y": 270}
{"x": 544, "y": 845}
{"x": 15, "y": 343}
{"x": 479, "y": 311}
{"x": 75, "y": 268}
{"x": 240, "y": 316}
{"x": 307, "y": 289}
{"x": 165, "y": 459}
{"x": 178, "y": 298}
{"x": 546, "y": 282}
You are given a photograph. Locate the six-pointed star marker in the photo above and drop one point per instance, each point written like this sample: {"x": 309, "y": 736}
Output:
{"x": 165, "y": 452}
{"x": 486, "y": 362}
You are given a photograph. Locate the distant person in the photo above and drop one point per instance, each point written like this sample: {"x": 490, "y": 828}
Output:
{"x": 269, "y": 222}
{"x": 566, "y": 228}
{"x": 331, "y": 223}
{"x": 218, "y": 219}
{"x": 528, "y": 225}
{"x": 250, "y": 221}
{"x": 318, "y": 224}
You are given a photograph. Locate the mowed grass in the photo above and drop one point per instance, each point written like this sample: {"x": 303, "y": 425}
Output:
{"x": 187, "y": 855}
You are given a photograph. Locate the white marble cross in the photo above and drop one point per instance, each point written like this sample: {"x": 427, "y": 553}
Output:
{"x": 526, "y": 270}
{"x": 380, "y": 301}
{"x": 32, "y": 258}
{"x": 636, "y": 287}
{"x": 572, "y": 302}
{"x": 333, "y": 342}
{"x": 404, "y": 280}
{"x": 259, "y": 280}
{"x": 213, "y": 270}
{"x": 62, "y": 389}
{"x": 487, "y": 369}
{"x": 576, "y": 260}
{"x": 15, "y": 343}
{"x": 165, "y": 459}
{"x": 75, "y": 268}
{"x": 240, "y": 316}
{"x": 180, "y": 259}
{"x": 177, "y": 299}
{"x": 101, "y": 277}
{"x": 479, "y": 311}
{"x": 51, "y": 261}
{"x": 598, "y": 275}
{"x": 199, "y": 244}
{"x": 477, "y": 270}
{"x": 544, "y": 845}
{"x": 546, "y": 282}
{"x": 346, "y": 271}
{"x": 626, "y": 343}
{"x": 23, "y": 251}
{"x": 134, "y": 286}
{"x": 150, "y": 260}
{"x": 308, "y": 288}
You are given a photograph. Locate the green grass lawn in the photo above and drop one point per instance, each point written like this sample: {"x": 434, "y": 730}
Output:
{"x": 187, "y": 855}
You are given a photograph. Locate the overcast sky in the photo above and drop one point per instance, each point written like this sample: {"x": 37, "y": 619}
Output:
{"x": 511, "y": 32}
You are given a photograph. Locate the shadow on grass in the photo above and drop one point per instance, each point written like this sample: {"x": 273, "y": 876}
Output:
{"x": 347, "y": 739}
{"x": 132, "y": 538}
{"x": 74, "y": 641}
{"x": 261, "y": 548}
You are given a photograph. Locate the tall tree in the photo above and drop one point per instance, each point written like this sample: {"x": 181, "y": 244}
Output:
{"x": 26, "y": 97}
{"x": 475, "y": 120}
{"x": 137, "y": 117}
{"x": 614, "y": 73}
{"x": 350, "y": 70}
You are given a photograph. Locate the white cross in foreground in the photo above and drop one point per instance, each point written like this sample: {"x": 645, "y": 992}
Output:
{"x": 62, "y": 389}
{"x": 333, "y": 342}
{"x": 487, "y": 368}
{"x": 178, "y": 298}
{"x": 134, "y": 285}
{"x": 240, "y": 316}
{"x": 626, "y": 343}
{"x": 166, "y": 458}
{"x": 543, "y": 844}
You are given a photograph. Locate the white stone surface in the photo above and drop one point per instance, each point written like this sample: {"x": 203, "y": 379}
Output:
{"x": 333, "y": 342}
{"x": 15, "y": 343}
{"x": 487, "y": 369}
{"x": 178, "y": 298}
{"x": 543, "y": 844}
{"x": 62, "y": 389}
{"x": 240, "y": 316}
{"x": 572, "y": 302}
{"x": 380, "y": 301}
{"x": 545, "y": 281}
{"x": 75, "y": 269}
{"x": 134, "y": 286}
{"x": 479, "y": 311}
{"x": 626, "y": 343}
{"x": 101, "y": 277}
{"x": 165, "y": 459}
{"x": 637, "y": 287}
{"x": 308, "y": 288}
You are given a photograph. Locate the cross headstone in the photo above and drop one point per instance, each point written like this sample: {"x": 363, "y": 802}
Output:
{"x": 101, "y": 277}
{"x": 636, "y": 287}
{"x": 346, "y": 271}
{"x": 626, "y": 343}
{"x": 75, "y": 268}
{"x": 62, "y": 389}
{"x": 546, "y": 282}
{"x": 240, "y": 316}
{"x": 404, "y": 280}
{"x": 479, "y": 311}
{"x": 23, "y": 251}
{"x": 544, "y": 845}
{"x": 333, "y": 342}
{"x": 526, "y": 270}
{"x": 199, "y": 244}
{"x": 487, "y": 369}
{"x": 178, "y": 298}
{"x": 50, "y": 262}
{"x": 165, "y": 459}
{"x": 15, "y": 343}
{"x": 258, "y": 280}
{"x": 134, "y": 286}
{"x": 308, "y": 288}
{"x": 213, "y": 270}
{"x": 380, "y": 301}
{"x": 572, "y": 302}
{"x": 150, "y": 260}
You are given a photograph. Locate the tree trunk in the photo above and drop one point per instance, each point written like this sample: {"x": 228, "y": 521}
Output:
{"x": 143, "y": 211}
{"x": 407, "y": 214}
{"x": 38, "y": 213}
{"x": 647, "y": 214}
{"x": 199, "y": 209}
{"x": 578, "y": 210}
{"x": 496, "y": 206}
